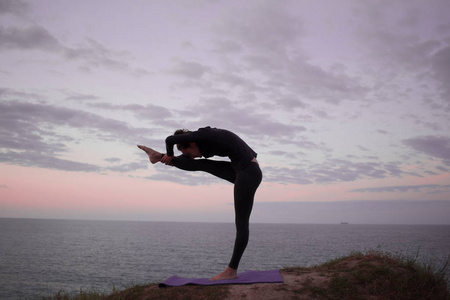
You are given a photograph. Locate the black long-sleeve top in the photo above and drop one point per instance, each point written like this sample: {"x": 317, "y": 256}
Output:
{"x": 214, "y": 141}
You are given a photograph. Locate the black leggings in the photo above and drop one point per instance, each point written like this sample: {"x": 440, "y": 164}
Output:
{"x": 246, "y": 181}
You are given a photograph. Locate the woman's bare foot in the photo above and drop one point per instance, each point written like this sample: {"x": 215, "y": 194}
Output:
{"x": 153, "y": 155}
{"x": 229, "y": 273}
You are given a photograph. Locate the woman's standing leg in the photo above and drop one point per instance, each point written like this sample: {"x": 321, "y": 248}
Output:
{"x": 246, "y": 184}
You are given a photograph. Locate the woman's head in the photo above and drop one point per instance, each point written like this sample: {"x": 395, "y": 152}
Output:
{"x": 189, "y": 149}
{"x": 183, "y": 145}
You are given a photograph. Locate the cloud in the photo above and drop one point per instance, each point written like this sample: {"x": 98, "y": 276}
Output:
{"x": 235, "y": 81}
{"x": 241, "y": 118}
{"x": 258, "y": 57}
{"x": 150, "y": 112}
{"x": 15, "y": 7}
{"x": 266, "y": 75}
{"x": 29, "y": 134}
{"x": 316, "y": 83}
{"x": 36, "y": 159}
{"x": 435, "y": 146}
{"x": 274, "y": 55}
{"x": 442, "y": 168}
{"x": 172, "y": 174}
{"x": 94, "y": 54}
{"x": 127, "y": 167}
{"x": 81, "y": 97}
{"x": 267, "y": 60}
{"x": 441, "y": 69}
{"x": 227, "y": 46}
{"x": 91, "y": 54}
{"x": 400, "y": 48}
{"x": 113, "y": 159}
{"x": 12, "y": 94}
{"x": 265, "y": 27}
{"x": 332, "y": 170}
{"x": 286, "y": 175}
{"x": 428, "y": 188}
{"x": 189, "y": 69}
{"x": 27, "y": 115}
{"x": 21, "y": 131}
{"x": 354, "y": 212}
{"x": 290, "y": 103}
{"x": 35, "y": 37}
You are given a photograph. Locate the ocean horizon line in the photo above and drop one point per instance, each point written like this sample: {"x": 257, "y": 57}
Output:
{"x": 343, "y": 223}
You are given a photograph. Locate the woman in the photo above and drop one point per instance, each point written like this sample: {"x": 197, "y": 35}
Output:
{"x": 242, "y": 170}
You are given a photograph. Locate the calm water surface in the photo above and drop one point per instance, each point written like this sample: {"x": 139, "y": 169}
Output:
{"x": 40, "y": 257}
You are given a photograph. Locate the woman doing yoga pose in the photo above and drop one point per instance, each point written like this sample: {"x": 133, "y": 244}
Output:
{"x": 242, "y": 170}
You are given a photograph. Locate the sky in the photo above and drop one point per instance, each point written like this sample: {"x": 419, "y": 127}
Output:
{"x": 347, "y": 104}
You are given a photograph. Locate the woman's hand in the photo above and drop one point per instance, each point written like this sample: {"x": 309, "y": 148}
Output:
{"x": 167, "y": 160}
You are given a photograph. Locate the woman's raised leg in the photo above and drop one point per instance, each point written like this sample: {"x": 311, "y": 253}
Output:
{"x": 221, "y": 169}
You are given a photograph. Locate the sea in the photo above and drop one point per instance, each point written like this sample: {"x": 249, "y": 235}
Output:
{"x": 39, "y": 258}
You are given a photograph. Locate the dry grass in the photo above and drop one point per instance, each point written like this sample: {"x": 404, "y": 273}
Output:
{"x": 370, "y": 275}
{"x": 374, "y": 275}
{"x": 151, "y": 292}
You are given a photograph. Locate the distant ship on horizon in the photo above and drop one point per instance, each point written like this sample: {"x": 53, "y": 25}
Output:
{"x": 344, "y": 223}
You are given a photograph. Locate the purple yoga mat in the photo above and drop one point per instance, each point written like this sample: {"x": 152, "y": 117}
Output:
{"x": 248, "y": 277}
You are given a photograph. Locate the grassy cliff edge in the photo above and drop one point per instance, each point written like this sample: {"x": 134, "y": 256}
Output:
{"x": 369, "y": 275}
